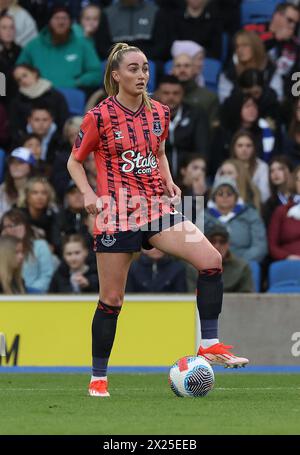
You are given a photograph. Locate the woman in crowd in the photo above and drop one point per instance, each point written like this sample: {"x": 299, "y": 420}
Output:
{"x": 280, "y": 179}
{"x": 9, "y": 52}
{"x": 74, "y": 275}
{"x": 249, "y": 53}
{"x": 11, "y": 253}
{"x": 284, "y": 227}
{"x": 247, "y": 232}
{"x": 25, "y": 25}
{"x": 243, "y": 149}
{"x": 291, "y": 140}
{"x": 20, "y": 168}
{"x": 235, "y": 170}
{"x": 38, "y": 265}
{"x": 38, "y": 203}
{"x": 35, "y": 91}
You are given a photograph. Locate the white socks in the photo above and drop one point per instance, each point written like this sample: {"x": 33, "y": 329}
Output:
{"x": 100, "y": 378}
{"x": 208, "y": 343}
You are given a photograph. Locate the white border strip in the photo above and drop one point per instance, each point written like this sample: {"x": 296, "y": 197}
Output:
{"x": 94, "y": 298}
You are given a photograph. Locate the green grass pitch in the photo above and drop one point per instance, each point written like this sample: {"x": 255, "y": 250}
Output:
{"x": 144, "y": 404}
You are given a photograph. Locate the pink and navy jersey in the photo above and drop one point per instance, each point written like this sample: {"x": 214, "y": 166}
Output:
{"x": 125, "y": 146}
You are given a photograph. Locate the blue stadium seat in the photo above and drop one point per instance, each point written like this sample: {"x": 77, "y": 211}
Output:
{"x": 211, "y": 71}
{"x": 2, "y": 164}
{"x": 258, "y": 11}
{"x": 284, "y": 274}
{"x": 256, "y": 274}
{"x": 75, "y": 99}
{"x": 285, "y": 287}
{"x": 152, "y": 79}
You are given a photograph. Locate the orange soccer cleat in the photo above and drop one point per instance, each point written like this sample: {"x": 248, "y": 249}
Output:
{"x": 219, "y": 354}
{"x": 98, "y": 388}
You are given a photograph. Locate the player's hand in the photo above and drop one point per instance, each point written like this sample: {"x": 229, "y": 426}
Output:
{"x": 91, "y": 203}
{"x": 174, "y": 192}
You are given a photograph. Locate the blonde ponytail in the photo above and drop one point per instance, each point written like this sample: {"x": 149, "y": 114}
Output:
{"x": 114, "y": 59}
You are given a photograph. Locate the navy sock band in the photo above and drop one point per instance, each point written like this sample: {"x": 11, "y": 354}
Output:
{"x": 209, "y": 300}
{"x": 209, "y": 329}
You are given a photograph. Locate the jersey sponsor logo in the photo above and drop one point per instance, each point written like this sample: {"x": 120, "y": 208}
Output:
{"x": 108, "y": 240}
{"x": 118, "y": 135}
{"x": 71, "y": 57}
{"x": 157, "y": 129}
{"x": 79, "y": 138}
{"x": 138, "y": 163}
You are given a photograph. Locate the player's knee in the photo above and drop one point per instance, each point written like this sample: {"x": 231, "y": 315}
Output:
{"x": 114, "y": 299}
{"x": 214, "y": 261}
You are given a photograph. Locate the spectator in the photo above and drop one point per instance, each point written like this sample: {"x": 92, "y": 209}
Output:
{"x": 9, "y": 52}
{"x": 74, "y": 275}
{"x": 34, "y": 91}
{"x": 279, "y": 38}
{"x": 237, "y": 276}
{"x": 138, "y": 23}
{"x": 60, "y": 177}
{"x": 280, "y": 179}
{"x": 201, "y": 97}
{"x": 20, "y": 167}
{"x": 245, "y": 114}
{"x": 248, "y": 192}
{"x": 196, "y": 52}
{"x": 154, "y": 271}
{"x": 291, "y": 141}
{"x": 91, "y": 171}
{"x": 243, "y": 149}
{"x": 33, "y": 142}
{"x": 249, "y": 53}
{"x": 40, "y": 122}
{"x": 89, "y": 21}
{"x": 38, "y": 265}
{"x": 188, "y": 125}
{"x": 201, "y": 22}
{"x": 25, "y": 25}
{"x": 284, "y": 228}
{"x": 71, "y": 61}
{"x": 38, "y": 203}
{"x": 246, "y": 229}
{"x": 4, "y": 128}
{"x": 11, "y": 253}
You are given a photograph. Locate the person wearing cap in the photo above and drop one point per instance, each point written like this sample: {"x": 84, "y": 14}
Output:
{"x": 246, "y": 229}
{"x": 20, "y": 164}
{"x": 237, "y": 274}
{"x": 62, "y": 57}
{"x": 194, "y": 50}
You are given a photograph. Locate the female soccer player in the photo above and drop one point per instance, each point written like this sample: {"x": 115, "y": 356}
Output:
{"x": 127, "y": 132}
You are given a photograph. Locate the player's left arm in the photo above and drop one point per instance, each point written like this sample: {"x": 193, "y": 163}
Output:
{"x": 172, "y": 190}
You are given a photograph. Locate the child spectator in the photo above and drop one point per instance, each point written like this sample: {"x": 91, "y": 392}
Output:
{"x": 249, "y": 53}
{"x": 155, "y": 271}
{"x": 284, "y": 227}
{"x": 280, "y": 179}
{"x": 246, "y": 229}
{"x": 20, "y": 167}
{"x": 34, "y": 144}
{"x": 89, "y": 21}
{"x": 38, "y": 265}
{"x": 11, "y": 253}
{"x": 74, "y": 275}
{"x": 35, "y": 91}
{"x": 243, "y": 149}
{"x": 38, "y": 203}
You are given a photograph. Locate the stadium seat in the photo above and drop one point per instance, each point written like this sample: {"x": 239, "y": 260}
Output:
{"x": 285, "y": 287}
{"x": 75, "y": 99}
{"x": 257, "y": 11}
{"x": 152, "y": 79}
{"x": 256, "y": 274}
{"x": 284, "y": 274}
{"x": 2, "y": 164}
{"x": 211, "y": 71}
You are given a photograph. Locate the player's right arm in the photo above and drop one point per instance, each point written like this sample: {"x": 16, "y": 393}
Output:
{"x": 86, "y": 142}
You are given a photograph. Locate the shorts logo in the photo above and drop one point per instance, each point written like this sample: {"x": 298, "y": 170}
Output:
{"x": 108, "y": 240}
{"x": 79, "y": 138}
{"x": 157, "y": 129}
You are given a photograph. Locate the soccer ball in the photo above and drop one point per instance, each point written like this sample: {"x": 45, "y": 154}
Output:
{"x": 191, "y": 377}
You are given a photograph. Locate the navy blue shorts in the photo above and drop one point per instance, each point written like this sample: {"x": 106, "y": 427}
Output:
{"x": 133, "y": 241}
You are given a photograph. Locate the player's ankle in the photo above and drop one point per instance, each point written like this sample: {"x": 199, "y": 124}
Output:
{"x": 207, "y": 343}
{"x": 98, "y": 378}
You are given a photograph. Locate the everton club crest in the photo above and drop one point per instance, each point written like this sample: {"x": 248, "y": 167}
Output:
{"x": 157, "y": 129}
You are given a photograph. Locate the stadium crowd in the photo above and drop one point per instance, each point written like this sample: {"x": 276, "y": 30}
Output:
{"x": 236, "y": 143}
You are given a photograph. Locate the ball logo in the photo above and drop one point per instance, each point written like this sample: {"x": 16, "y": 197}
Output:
{"x": 108, "y": 240}
{"x": 138, "y": 163}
